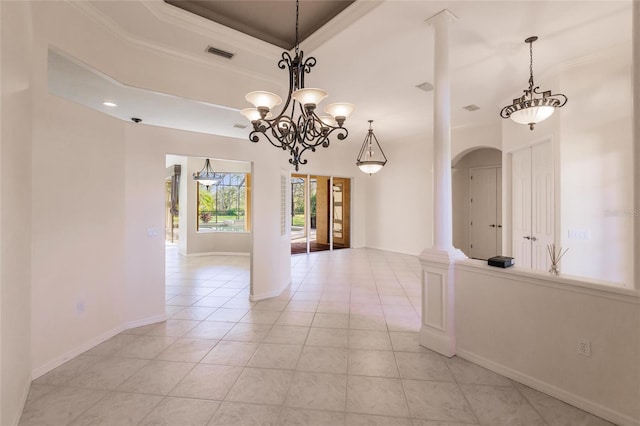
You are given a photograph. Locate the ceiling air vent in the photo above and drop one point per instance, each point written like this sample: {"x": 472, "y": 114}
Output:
{"x": 427, "y": 87}
{"x": 240, "y": 126}
{"x": 219, "y": 52}
{"x": 471, "y": 107}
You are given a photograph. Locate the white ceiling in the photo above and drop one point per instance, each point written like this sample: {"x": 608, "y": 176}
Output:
{"x": 373, "y": 54}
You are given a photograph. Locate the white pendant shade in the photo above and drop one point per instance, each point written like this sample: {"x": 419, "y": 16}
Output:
{"x": 251, "y": 113}
{"x": 533, "y": 114}
{"x": 370, "y": 167}
{"x": 263, "y": 99}
{"x": 339, "y": 110}
{"x": 309, "y": 96}
{"x": 328, "y": 120}
{"x": 208, "y": 182}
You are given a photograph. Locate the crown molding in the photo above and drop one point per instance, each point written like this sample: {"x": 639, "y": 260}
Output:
{"x": 343, "y": 20}
{"x": 172, "y": 15}
{"x": 116, "y": 30}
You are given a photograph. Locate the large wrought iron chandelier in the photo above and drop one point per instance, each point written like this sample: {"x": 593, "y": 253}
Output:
{"x": 206, "y": 176}
{"x": 531, "y": 109}
{"x": 371, "y": 158}
{"x": 297, "y": 128}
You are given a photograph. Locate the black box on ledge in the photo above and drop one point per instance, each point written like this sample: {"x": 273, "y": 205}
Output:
{"x": 502, "y": 261}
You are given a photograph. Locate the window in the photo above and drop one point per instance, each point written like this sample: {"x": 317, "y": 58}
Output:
{"x": 224, "y": 206}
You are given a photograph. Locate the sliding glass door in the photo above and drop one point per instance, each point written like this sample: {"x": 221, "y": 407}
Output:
{"x": 320, "y": 213}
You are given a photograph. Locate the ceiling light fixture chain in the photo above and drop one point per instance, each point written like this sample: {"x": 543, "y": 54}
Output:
{"x": 207, "y": 176}
{"x": 531, "y": 109}
{"x": 297, "y": 128}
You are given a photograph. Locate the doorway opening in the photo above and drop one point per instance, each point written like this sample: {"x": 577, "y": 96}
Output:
{"x": 477, "y": 203}
{"x": 320, "y": 213}
{"x": 171, "y": 216}
{"x": 208, "y": 257}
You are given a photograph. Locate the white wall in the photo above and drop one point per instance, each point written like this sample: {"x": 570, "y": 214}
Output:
{"x": 592, "y": 145}
{"x": 15, "y": 208}
{"x": 399, "y": 198}
{"x": 481, "y": 157}
{"x": 597, "y": 167}
{"x": 526, "y": 325}
{"x": 98, "y": 210}
{"x": 469, "y": 138}
{"x": 78, "y": 253}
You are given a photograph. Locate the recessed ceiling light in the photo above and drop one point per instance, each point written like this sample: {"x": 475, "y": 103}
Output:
{"x": 109, "y": 104}
{"x": 240, "y": 126}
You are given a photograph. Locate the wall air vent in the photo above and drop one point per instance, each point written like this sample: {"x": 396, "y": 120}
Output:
{"x": 219, "y": 52}
{"x": 471, "y": 107}
{"x": 427, "y": 87}
{"x": 240, "y": 126}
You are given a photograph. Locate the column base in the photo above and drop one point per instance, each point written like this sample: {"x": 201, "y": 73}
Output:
{"x": 437, "y": 341}
{"x": 438, "y": 326}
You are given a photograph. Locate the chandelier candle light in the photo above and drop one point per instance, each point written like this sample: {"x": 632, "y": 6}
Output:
{"x": 371, "y": 158}
{"x": 207, "y": 176}
{"x": 297, "y": 128}
{"x": 531, "y": 109}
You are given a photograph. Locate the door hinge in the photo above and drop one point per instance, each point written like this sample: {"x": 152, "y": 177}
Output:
{"x": 471, "y": 245}
{"x": 472, "y": 200}
{"x": 471, "y": 177}
{"x": 471, "y": 223}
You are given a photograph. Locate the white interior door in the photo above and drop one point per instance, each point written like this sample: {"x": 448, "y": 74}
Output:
{"x": 521, "y": 209}
{"x": 542, "y": 220}
{"x": 533, "y": 206}
{"x": 483, "y": 212}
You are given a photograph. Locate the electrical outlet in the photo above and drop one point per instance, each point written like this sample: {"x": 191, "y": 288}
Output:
{"x": 584, "y": 347}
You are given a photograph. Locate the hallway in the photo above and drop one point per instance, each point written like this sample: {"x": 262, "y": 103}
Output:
{"x": 338, "y": 348}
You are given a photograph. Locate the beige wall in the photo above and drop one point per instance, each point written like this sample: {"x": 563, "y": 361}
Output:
{"x": 597, "y": 167}
{"x": 593, "y": 167}
{"x": 526, "y": 326}
{"x": 399, "y": 197}
{"x": 97, "y": 228}
{"x": 15, "y": 208}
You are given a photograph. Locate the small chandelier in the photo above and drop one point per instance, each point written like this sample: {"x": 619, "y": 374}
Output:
{"x": 298, "y": 128}
{"x": 206, "y": 176}
{"x": 371, "y": 158}
{"x": 530, "y": 109}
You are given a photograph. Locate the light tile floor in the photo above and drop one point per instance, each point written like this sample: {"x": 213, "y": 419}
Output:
{"x": 340, "y": 347}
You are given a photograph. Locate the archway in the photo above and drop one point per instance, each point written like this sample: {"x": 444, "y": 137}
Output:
{"x": 477, "y": 202}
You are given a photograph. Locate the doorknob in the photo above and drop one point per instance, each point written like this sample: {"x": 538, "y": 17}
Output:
{"x": 492, "y": 226}
{"x": 527, "y": 238}
{"x": 499, "y": 226}
{"x": 534, "y": 239}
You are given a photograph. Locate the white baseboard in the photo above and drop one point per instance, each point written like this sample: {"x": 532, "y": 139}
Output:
{"x": 268, "y": 295}
{"x": 219, "y": 253}
{"x": 58, "y": 361}
{"x": 549, "y": 389}
{"x": 23, "y": 400}
{"x": 145, "y": 321}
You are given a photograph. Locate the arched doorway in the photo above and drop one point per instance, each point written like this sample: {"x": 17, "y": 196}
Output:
{"x": 477, "y": 202}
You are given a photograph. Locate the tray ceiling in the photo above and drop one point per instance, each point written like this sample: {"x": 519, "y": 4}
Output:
{"x": 270, "y": 21}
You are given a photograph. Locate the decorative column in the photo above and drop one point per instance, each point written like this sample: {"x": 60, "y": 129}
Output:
{"x": 635, "y": 22}
{"x": 438, "y": 328}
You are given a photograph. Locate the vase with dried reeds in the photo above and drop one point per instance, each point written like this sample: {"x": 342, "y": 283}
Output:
{"x": 555, "y": 254}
